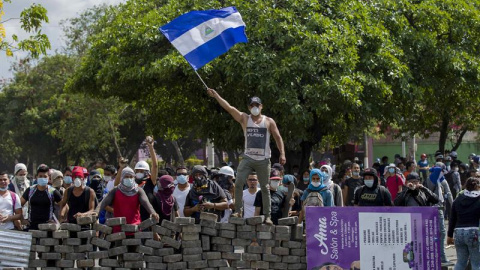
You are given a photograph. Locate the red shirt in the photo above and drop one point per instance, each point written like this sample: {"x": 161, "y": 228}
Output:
{"x": 394, "y": 185}
{"x": 128, "y": 207}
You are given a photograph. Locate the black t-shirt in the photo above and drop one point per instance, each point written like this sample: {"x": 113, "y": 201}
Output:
{"x": 213, "y": 194}
{"x": 40, "y": 204}
{"x": 148, "y": 188}
{"x": 77, "y": 204}
{"x": 352, "y": 184}
{"x": 379, "y": 196}
{"x": 277, "y": 202}
{"x": 157, "y": 205}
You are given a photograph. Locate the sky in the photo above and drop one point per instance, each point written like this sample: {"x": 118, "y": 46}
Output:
{"x": 57, "y": 10}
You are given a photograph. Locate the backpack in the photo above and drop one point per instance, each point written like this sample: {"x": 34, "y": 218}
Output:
{"x": 14, "y": 200}
{"x": 50, "y": 191}
{"x": 314, "y": 198}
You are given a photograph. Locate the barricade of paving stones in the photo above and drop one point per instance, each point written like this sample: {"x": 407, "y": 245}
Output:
{"x": 208, "y": 245}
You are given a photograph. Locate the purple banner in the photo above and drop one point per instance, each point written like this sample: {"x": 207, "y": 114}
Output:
{"x": 394, "y": 238}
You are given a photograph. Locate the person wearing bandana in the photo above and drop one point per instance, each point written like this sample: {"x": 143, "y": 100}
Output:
{"x": 165, "y": 204}
{"x": 204, "y": 196}
{"x": 126, "y": 198}
{"x": 18, "y": 184}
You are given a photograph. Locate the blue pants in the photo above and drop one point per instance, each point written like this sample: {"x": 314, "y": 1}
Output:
{"x": 466, "y": 244}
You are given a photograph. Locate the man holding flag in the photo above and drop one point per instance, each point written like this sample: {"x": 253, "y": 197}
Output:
{"x": 257, "y": 129}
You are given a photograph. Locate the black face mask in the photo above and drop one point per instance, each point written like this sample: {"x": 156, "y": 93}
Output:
{"x": 139, "y": 181}
{"x": 224, "y": 182}
{"x": 200, "y": 181}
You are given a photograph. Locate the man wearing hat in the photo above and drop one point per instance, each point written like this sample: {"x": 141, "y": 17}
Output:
{"x": 257, "y": 129}
{"x": 372, "y": 193}
{"x": 19, "y": 182}
{"x": 415, "y": 194}
{"x": 79, "y": 198}
{"x": 277, "y": 198}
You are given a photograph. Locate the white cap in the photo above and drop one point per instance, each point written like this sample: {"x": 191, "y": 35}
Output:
{"x": 18, "y": 167}
{"x": 142, "y": 165}
{"x": 227, "y": 170}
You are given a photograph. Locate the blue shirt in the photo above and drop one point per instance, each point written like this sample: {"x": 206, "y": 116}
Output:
{"x": 326, "y": 196}
{"x": 423, "y": 164}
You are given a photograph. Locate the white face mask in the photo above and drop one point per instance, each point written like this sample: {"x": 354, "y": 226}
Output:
{"x": 255, "y": 111}
{"x": 368, "y": 183}
{"x": 316, "y": 184}
{"x": 128, "y": 182}
{"x": 274, "y": 184}
{"x": 77, "y": 182}
{"x": 456, "y": 169}
{"x": 355, "y": 173}
{"x": 20, "y": 178}
{"x": 139, "y": 175}
{"x": 107, "y": 178}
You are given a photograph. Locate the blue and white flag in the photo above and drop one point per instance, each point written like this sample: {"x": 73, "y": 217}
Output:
{"x": 201, "y": 36}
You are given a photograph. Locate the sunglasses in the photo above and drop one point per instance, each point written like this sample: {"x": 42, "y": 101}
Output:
{"x": 178, "y": 174}
{"x": 253, "y": 180}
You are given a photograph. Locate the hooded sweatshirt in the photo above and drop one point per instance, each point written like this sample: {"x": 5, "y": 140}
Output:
{"x": 334, "y": 188}
{"x": 465, "y": 213}
{"x": 324, "y": 192}
{"x": 373, "y": 196}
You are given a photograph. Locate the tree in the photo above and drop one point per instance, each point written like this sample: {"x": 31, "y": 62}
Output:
{"x": 41, "y": 123}
{"x": 31, "y": 20}
{"x": 440, "y": 41}
{"x": 322, "y": 68}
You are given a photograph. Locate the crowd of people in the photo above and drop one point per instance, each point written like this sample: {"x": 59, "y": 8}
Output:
{"x": 256, "y": 188}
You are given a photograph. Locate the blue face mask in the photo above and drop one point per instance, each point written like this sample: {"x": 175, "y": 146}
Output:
{"x": 67, "y": 179}
{"x": 181, "y": 179}
{"x": 42, "y": 182}
{"x": 128, "y": 182}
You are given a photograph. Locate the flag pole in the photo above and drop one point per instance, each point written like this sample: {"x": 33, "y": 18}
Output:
{"x": 201, "y": 79}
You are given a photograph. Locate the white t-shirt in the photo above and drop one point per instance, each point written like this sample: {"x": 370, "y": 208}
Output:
{"x": 6, "y": 208}
{"x": 181, "y": 197}
{"x": 227, "y": 213}
{"x": 248, "y": 200}
{"x": 110, "y": 185}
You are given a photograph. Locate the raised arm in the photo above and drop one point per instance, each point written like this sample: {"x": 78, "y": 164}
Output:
{"x": 153, "y": 155}
{"x": 272, "y": 127}
{"x": 234, "y": 112}
{"x": 122, "y": 163}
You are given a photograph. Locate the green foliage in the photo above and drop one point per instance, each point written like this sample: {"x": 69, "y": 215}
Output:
{"x": 321, "y": 68}
{"x": 31, "y": 20}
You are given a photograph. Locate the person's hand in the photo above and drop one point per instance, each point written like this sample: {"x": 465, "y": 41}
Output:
{"x": 3, "y": 219}
{"x": 155, "y": 216}
{"x": 292, "y": 201}
{"x": 77, "y": 215}
{"x": 211, "y": 92}
{"x": 198, "y": 207}
{"x": 410, "y": 186}
{"x": 450, "y": 241}
{"x": 419, "y": 186}
{"x": 25, "y": 222}
{"x": 282, "y": 160}
{"x": 149, "y": 140}
{"x": 207, "y": 205}
{"x": 122, "y": 162}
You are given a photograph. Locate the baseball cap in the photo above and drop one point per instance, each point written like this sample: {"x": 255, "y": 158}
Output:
{"x": 78, "y": 172}
{"x": 255, "y": 100}
{"x": 277, "y": 166}
{"x": 274, "y": 174}
{"x": 476, "y": 159}
{"x": 413, "y": 176}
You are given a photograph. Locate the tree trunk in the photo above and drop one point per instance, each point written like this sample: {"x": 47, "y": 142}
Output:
{"x": 219, "y": 154}
{"x": 180, "y": 160}
{"x": 460, "y": 139}
{"x": 443, "y": 134}
{"x": 233, "y": 158}
{"x": 295, "y": 157}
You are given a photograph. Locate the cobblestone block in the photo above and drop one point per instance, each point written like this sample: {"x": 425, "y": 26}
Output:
{"x": 191, "y": 244}
{"x": 86, "y": 263}
{"x": 50, "y": 256}
{"x": 102, "y": 228}
{"x": 116, "y": 237}
{"x": 100, "y": 243}
{"x": 208, "y": 223}
{"x": 265, "y": 228}
{"x": 98, "y": 254}
{"x": 255, "y": 220}
{"x": 191, "y": 251}
{"x": 75, "y": 256}
{"x": 191, "y": 228}
{"x": 65, "y": 264}
{"x": 83, "y": 248}
{"x": 265, "y": 235}
{"x": 288, "y": 221}
{"x": 117, "y": 251}
{"x": 162, "y": 230}
{"x": 164, "y": 252}
{"x": 109, "y": 263}
{"x": 72, "y": 241}
{"x": 241, "y": 242}
{"x": 237, "y": 220}
{"x": 37, "y": 263}
{"x": 131, "y": 242}
{"x": 115, "y": 221}
{"x": 198, "y": 264}
{"x": 297, "y": 266}
{"x": 39, "y": 234}
{"x": 297, "y": 232}
{"x": 269, "y": 243}
{"x": 49, "y": 242}
{"x": 63, "y": 249}
{"x": 280, "y": 251}
{"x": 155, "y": 265}
{"x": 48, "y": 227}
{"x": 153, "y": 259}
{"x": 279, "y": 265}
{"x": 291, "y": 259}
{"x": 206, "y": 244}
{"x": 271, "y": 258}
{"x": 260, "y": 265}
{"x": 184, "y": 220}
{"x": 172, "y": 258}
{"x": 144, "y": 249}
{"x": 147, "y": 224}
{"x": 227, "y": 233}
{"x": 129, "y": 228}
{"x": 251, "y": 257}
{"x": 212, "y": 255}
{"x": 217, "y": 263}
{"x": 298, "y": 252}
{"x": 209, "y": 231}
{"x": 282, "y": 237}
{"x": 225, "y": 226}
{"x": 231, "y": 256}
{"x": 171, "y": 226}
{"x": 245, "y": 228}
{"x": 133, "y": 264}
{"x": 247, "y": 235}
{"x": 171, "y": 242}
{"x": 291, "y": 244}
{"x": 241, "y": 264}
{"x": 70, "y": 227}
{"x": 86, "y": 220}
{"x": 153, "y": 244}
{"x": 177, "y": 266}
{"x": 132, "y": 256}
{"x": 208, "y": 216}
{"x": 255, "y": 249}
{"x": 86, "y": 234}
{"x": 143, "y": 235}
{"x": 39, "y": 248}
{"x": 192, "y": 257}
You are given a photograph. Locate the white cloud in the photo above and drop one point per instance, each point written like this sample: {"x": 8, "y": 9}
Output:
{"x": 57, "y": 10}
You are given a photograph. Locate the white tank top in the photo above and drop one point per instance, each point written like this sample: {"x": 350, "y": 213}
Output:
{"x": 257, "y": 139}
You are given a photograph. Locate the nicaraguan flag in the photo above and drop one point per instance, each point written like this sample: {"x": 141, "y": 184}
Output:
{"x": 201, "y": 36}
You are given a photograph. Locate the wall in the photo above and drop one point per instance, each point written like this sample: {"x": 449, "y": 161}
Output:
{"x": 208, "y": 245}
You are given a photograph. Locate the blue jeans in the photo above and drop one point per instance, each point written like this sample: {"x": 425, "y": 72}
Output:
{"x": 443, "y": 234}
{"x": 466, "y": 244}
